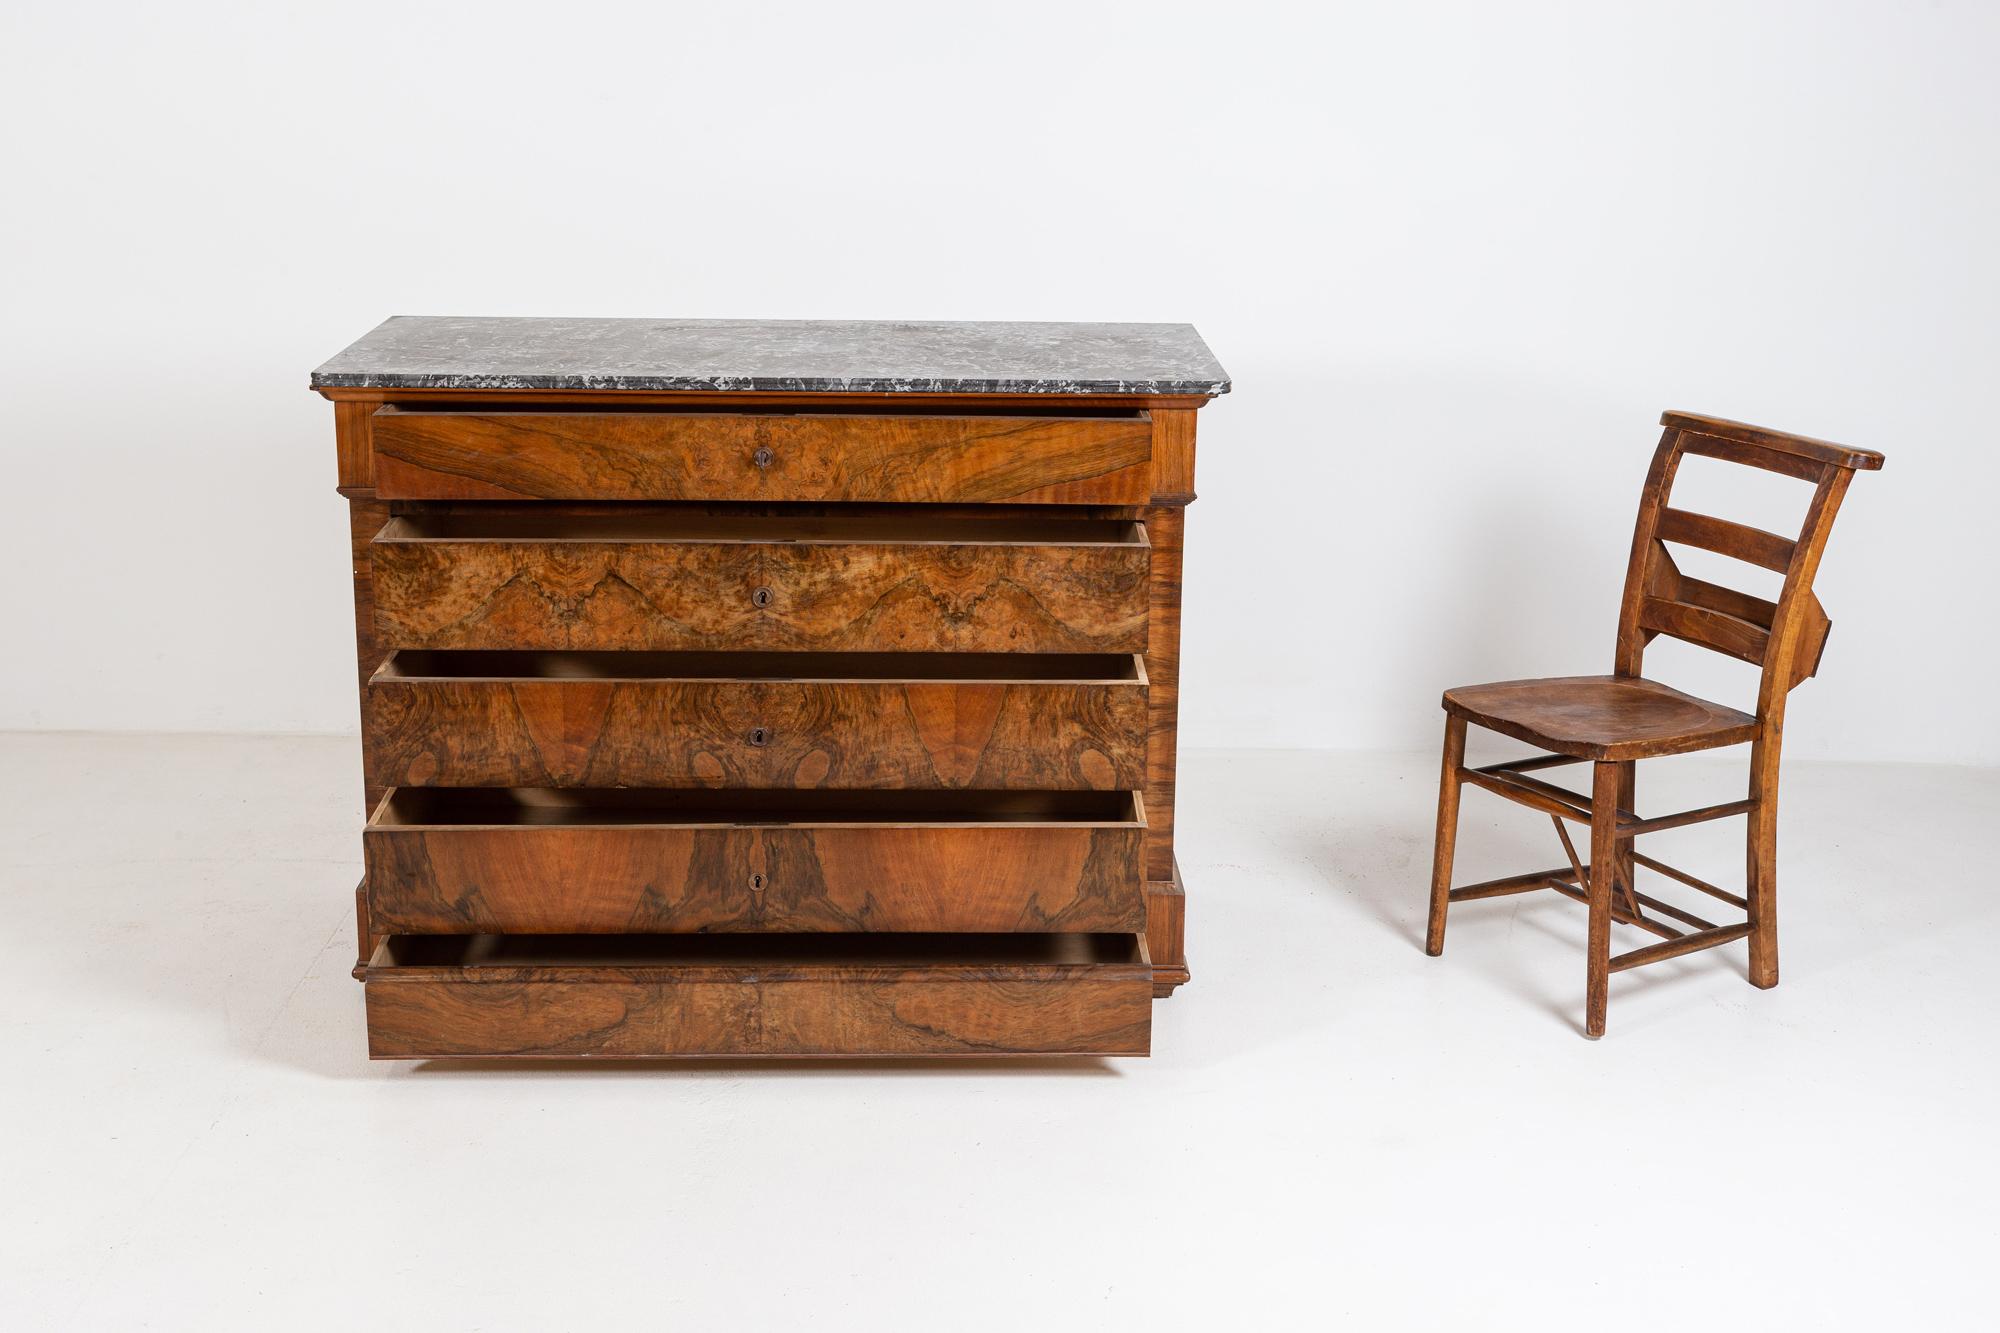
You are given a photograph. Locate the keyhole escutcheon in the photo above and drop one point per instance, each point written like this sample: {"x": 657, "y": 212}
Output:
{"x": 760, "y": 735}
{"x": 762, "y": 597}
{"x": 763, "y": 458}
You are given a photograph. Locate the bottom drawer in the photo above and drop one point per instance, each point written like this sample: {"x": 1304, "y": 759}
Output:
{"x": 638, "y": 996}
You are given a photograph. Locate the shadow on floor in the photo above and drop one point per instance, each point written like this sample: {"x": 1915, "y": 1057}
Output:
{"x": 1385, "y": 872}
{"x": 928, "y": 1068}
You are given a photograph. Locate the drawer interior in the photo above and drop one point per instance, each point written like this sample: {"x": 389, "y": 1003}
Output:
{"x": 529, "y": 807}
{"x": 846, "y": 668}
{"x": 915, "y": 529}
{"x": 594, "y": 954}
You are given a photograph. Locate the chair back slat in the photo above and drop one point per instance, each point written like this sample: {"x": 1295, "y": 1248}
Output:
{"x": 1785, "y": 637}
{"x": 1713, "y": 596}
{"x": 1724, "y": 537}
{"x": 1710, "y": 629}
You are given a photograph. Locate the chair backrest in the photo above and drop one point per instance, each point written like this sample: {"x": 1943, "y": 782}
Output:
{"x": 1784, "y": 638}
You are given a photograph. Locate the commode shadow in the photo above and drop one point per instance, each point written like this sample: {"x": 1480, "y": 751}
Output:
{"x": 928, "y": 1068}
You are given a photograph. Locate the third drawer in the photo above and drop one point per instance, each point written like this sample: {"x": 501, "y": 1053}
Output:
{"x": 981, "y": 721}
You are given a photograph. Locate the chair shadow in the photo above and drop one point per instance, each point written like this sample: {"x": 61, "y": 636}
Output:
{"x": 1352, "y": 861}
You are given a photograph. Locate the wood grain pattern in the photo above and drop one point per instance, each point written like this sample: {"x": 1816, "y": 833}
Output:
{"x": 428, "y": 724}
{"x": 1601, "y": 717}
{"x": 1444, "y": 848}
{"x": 364, "y": 930}
{"x": 1706, "y": 628}
{"x": 365, "y": 516}
{"x": 1166, "y": 933}
{"x": 1727, "y": 537}
{"x": 354, "y": 444}
{"x": 1696, "y": 431}
{"x": 1166, "y": 527}
{"x": 1615, "y": 720}
{"x": 435, "y": 589}
{"x": 594, "y": 866}
{"x": 1800, "y": 466}
{"x": 922, "y": 995}
{"x": 1598, "y": 880}
{"x": 498, "y": 454}
{"x": 1173, "y": 456}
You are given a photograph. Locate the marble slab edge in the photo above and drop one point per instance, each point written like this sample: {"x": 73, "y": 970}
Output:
{"x": 759, "y": 384}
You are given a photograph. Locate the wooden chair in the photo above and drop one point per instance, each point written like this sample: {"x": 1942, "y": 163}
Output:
{"x": 1613, "y": 721}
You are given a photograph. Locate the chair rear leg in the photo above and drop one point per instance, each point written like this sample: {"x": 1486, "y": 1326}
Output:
{"x": 1604, "y": 788}
{"x": 1628, "y": 790}
{"x": 1762, "y": 868}
{"x": 1447, "y": 832}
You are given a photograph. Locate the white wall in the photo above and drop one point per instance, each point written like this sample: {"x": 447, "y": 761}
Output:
{"x": 1457, "y": 257}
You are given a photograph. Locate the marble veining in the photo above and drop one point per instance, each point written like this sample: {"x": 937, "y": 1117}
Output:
{"x": 776, "y": 356}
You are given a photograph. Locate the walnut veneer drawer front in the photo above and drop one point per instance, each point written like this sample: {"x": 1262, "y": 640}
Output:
{"x": 644, "y": 455}
{"x": 716, "y": 995}
{"x": 840, "y": 584}
{"x": 473, "y": 860}
{"x": 837, "y": 720}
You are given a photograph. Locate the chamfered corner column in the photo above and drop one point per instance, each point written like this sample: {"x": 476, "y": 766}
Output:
{"x": 1166, "y": 526}
{"x": 365, "y": 516}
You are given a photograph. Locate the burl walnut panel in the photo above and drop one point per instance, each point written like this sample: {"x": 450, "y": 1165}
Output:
{"x": 501, "y": 455}
{"x": 759, "y": 996}
{"x": 696, "y": 595}
{"x": 916, "y": 734}
{"x": 988, "y": 878}
{"x": 1031, "y": 1015}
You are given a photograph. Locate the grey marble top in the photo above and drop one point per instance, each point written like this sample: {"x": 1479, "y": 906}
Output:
{"x": 776, "y": 356}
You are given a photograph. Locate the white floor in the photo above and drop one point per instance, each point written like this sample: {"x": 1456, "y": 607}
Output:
{"x": 1334, "y": 1129}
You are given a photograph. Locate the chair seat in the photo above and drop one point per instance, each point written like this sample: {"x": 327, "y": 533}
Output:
{"x": 1601, "y": 717}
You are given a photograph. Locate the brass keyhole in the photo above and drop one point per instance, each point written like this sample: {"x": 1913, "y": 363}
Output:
{"x": 760, "y": 736}
{"x": 761, "y": 598}
{"x": 763, "y": 458}
{"x": 757, "y": 883}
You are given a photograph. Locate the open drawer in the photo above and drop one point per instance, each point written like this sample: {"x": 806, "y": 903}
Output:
{"x": 638, "y": 996}
{"x": 998, "y": 721}
{"x": 445, "y": 860}
{"x": 676, "y": 581}
{"x": 499, "y": 453}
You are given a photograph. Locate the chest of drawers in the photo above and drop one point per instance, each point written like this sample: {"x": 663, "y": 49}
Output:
{"x": 767, "y": 688}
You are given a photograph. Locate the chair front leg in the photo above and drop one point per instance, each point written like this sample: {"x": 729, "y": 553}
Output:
{"x": 1606, "y": 781}
{"x": 1447, "y": 832}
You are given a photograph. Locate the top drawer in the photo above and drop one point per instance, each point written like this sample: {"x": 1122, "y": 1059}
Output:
{"x": 659, "y": 455}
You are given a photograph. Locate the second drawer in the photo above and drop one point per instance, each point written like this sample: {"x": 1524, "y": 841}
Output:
{"x": 683, "y": 582}
{"x": 838, "y": 720}
{"x": 474, "y": 860}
